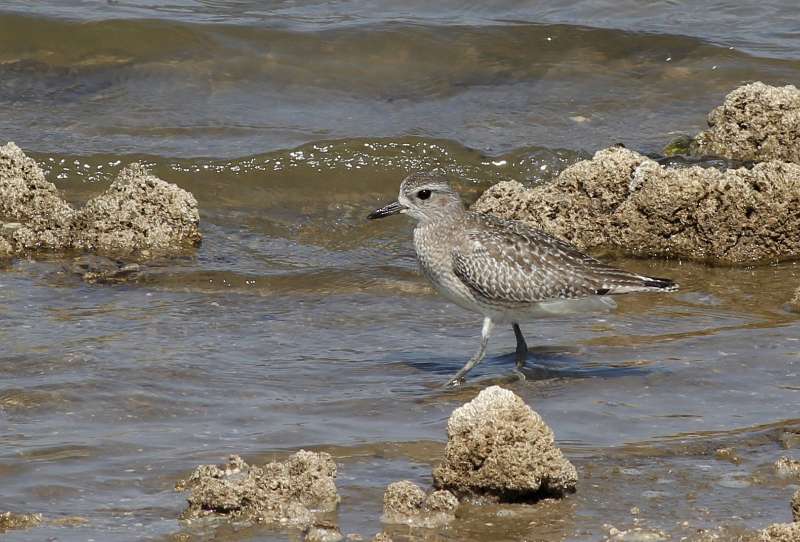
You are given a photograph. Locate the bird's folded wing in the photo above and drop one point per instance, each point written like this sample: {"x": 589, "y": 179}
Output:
{"x": 511, "y": 263}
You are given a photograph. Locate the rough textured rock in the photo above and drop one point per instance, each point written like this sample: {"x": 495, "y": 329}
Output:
{"x": 382, "y": 537}
{"x": 138, "y": 212}
{"x": 279, "y": 492}
{"x": 788, "y": 467}
{"x": 10, "y": 520}
{"x": 623, "y": 201}
{"x": 100, "y": 270}
{"x": 794, "y": 302}
{"x": 403, "y": 498}
{"x": 406, "y": 502}
{"x": 323, "y": 533}
{"x": 33, "y": 215}
{"x": 577, "y": 206}
{"x": 500, "y": 450}
{"x": 756, "y": 122}
{"x": 5, "y": 248}
{"x": 796, "y": 506}
{"x": 781, "y": 532}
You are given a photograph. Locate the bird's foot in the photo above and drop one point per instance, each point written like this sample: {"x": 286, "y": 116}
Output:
{"x": 520, "y": 375}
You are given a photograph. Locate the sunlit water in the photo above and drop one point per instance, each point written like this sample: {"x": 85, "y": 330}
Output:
{"x": 299, "y": 324}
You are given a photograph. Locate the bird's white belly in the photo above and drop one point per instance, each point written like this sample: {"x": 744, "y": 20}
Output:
{"x": 456, "y": 291}
{"x": 560, "y": 307}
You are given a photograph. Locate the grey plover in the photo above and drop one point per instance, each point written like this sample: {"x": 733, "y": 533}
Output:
{"x": 503, "y": 269}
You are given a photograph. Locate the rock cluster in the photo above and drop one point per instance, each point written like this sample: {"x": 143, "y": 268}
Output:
{"x": 756, "y": 122}
{"x": 499, "y": 450}
{"x": 406, "y": 502}
{"x": 283, "y": 493}
{"x": 138, "y": 212}
{"x": 623, "y": 201}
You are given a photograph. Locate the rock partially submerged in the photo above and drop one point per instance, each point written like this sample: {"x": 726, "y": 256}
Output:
{"x": 33, "y": 216}
{"x": 794, "y": 302}
{"x": 788, "y": 467}
{"x": 283, "y": 493}
{"x": 756, "y": 122}
{"x": 780, "y": 532}
{"x": 138, "y": 212}
{"x": 5, "y": 248}
{"x": 323, "y": 533}
{"x": 623, "y": 201}
{"x": 10, "y": 520}
{"x": 101, "y": 270}
{"x": 405, "y": 502}
{"x": 499, "y": 450}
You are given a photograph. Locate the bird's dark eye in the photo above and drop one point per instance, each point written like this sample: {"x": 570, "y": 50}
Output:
{"x": 424, "y": 194}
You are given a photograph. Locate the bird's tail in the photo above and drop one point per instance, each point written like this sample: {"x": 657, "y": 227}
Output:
{"x": 631, "y": 283}
{"x": 664, "y": 285}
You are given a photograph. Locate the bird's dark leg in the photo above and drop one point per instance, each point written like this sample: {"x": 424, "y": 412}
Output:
{"x": 522, "y": 347}
{"x": 488, "y": 325}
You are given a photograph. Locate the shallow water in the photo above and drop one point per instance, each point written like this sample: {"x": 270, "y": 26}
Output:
{"x": 299, "y": 324}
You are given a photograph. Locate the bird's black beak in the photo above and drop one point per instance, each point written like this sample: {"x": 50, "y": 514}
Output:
{"x": 387, "y": 210}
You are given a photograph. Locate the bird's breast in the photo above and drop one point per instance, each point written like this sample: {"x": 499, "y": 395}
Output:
{"x": 434, "y": 249}
{"x": 435, "y": 260}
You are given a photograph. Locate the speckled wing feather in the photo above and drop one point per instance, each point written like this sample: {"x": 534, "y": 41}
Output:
{"x": 509, "y": 263}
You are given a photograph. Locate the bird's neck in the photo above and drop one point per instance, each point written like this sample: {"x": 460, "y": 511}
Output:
{"x": 450, "y": 215}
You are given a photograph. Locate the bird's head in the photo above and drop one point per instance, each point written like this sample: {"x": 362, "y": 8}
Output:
{"x": 424, "y": 197}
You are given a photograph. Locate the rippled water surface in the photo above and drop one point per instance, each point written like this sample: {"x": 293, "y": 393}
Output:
{"x": 299, "y": 324}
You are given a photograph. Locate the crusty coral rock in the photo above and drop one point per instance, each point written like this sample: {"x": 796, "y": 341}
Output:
{"x": 41, "y": 219}
{"x": 406, "y": 502}
{"x": 623, "y": 201}
{"x": 440, "y": 501}
{"x": 756, "y": 122}
{"x": 382, "y": 537}
{"x": 5, "y": 248}
{"x": 403, "y": 498}
{"x": 788, "y": 467}
{"x": 577, "y": 206}
{"x": 498, "y": 449}
{"x": 278, "y": 492}
{"x": 794, "y": 302}
{"x": 138, "y": 212}
{"x": 781, "y": 532}
{"x": 323, "y": 533}
{"x": 310, "y": 477}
